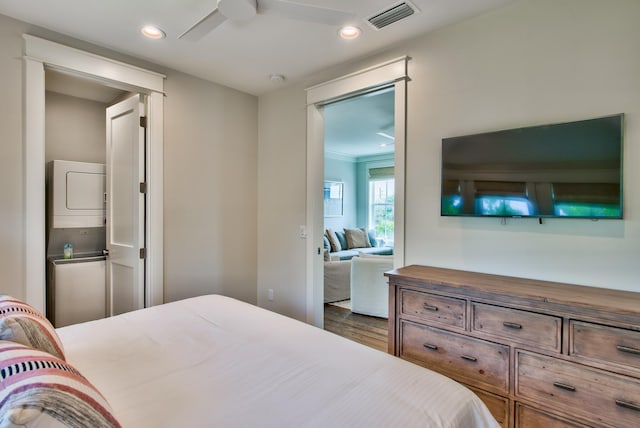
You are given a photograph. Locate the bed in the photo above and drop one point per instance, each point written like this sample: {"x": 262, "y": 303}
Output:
{"x": 213, "y": 361}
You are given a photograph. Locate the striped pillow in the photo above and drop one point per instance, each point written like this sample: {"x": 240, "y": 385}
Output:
{"x": 38, "y": 390}
{"x": 21, "y": 323}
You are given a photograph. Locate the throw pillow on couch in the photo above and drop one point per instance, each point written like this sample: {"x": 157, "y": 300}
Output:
{"x": 337, "y": 240}
{"x": 347, "y": 249}
{"x": 357, "y": 238}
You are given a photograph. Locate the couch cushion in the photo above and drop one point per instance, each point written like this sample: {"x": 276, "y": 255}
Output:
{"x": 333, "y": 240}
{"x": 380, "y": 251}
{"x": 342, "y": 238}
{"x": 327, "y": 244}
{"x": 364, "y": 255}
{"x": 357, "y": 238}
{"x": 344, "y": 255}
{"x": 372, "y": 238}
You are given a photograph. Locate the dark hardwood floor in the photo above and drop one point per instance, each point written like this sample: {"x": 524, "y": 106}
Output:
{"x": 370, "y": 331}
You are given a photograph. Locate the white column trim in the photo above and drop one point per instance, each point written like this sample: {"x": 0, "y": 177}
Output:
{"x": 62, "y": 57}
{"x": 154, "y": 295}
{"x": 314, "y": 208}
{"x": 378, "y": 75}
{"x": 34, "y": 183}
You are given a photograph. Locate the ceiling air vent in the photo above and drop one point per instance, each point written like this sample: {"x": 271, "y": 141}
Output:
{"x": 393, "y": 14}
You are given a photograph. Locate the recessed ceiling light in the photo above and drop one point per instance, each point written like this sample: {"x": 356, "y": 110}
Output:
{"x": 349, "y": 32}
{"x": 152, "y": 32}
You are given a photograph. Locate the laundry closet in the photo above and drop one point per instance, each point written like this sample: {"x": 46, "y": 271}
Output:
{"x": 75, "y": 155}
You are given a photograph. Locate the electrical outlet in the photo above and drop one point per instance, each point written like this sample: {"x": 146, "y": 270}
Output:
{"x": 270, "y": 295}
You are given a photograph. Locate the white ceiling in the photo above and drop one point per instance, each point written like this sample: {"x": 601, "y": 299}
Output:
{"x": 238, "y": 55}
{"x": 352, "y": 126}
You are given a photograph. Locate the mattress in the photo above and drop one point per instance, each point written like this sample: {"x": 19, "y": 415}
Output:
{"x": 215, "y": 361}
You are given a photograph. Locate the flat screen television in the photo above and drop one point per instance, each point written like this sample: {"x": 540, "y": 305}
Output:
{"x": 568, "y": 170}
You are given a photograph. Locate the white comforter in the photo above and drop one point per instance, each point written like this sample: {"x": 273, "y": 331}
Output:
{"x": 213, "y": 361}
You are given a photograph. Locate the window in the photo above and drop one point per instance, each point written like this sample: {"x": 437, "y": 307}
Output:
{"x": 586, "y": 199}
{"x": 503, "y": 206}
{"x": 381, "y": 201}
{"x": 502, "y": 198}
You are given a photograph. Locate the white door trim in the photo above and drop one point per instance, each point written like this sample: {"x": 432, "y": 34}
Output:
{"x": 394, "y": 73}
{"x": 38, "y": 54}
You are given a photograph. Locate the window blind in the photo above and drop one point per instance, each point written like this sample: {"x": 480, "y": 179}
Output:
{"x": 500, "y": 188}
{"x": 450, "y": 187}
{"x": 603, "y": 193}
{"x": 381, "y": 173}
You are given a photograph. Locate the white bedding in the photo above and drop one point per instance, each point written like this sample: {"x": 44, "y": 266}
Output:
{"x": 213, "y": 361}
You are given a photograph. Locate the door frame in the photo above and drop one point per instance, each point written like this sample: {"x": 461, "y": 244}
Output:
{"x": 394, "y": 72}
{"x": 41, "y": 54}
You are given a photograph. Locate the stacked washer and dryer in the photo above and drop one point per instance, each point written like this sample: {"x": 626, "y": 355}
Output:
{"x": 76, "y": 285}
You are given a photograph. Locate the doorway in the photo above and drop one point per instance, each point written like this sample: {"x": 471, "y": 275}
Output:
{"x": 359, "y": 153}
{"x": 42, "y": 54}
{"x": 359, "y": 148}
{"x": 390, "y": 74}
{"x": 76, "y": 158}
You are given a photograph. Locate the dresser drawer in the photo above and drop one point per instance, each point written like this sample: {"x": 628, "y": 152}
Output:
{"x": 497, "y": 405}
{"x": 601, "y": 396}
{"x": 527, "y": 417}
{"x": 605, "y": 344}
{"x": 528, "y": 328}
{"x": 447, "y": 311}
{"x": 468, "y": 360}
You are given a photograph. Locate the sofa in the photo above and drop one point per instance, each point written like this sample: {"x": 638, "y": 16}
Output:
{"x": 337, "y": 282}
{"x": 338, "y": 256}
{"x": 369, "y": 286}
{"x": 341, "y": 244}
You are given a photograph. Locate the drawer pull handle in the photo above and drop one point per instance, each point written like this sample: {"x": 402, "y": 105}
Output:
{"x": 564, "y": 386}
{"x": 430, "y": 307}
{"x": 512, "y": 325}
{"x": 469, "y": 358}
{"x": 628, "y": 350}
{"x": 627, "y": 405}
{"x": 430, "y": 347}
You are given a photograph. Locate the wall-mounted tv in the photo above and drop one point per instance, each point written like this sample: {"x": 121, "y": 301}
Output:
{"x": 569, "y": 170}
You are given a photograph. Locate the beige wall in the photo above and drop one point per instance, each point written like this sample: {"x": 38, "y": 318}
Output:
{"x": 210, "y": 190}
{"x": 11, "y": 198}
{"x": 281, "y": 201}
{"x": 210, "y": 187}
{"x": 533, "y": 62}
{"x": 74, "y": 129}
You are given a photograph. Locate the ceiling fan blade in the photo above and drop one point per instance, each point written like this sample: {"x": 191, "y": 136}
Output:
{"x": 305, "y": 12}
{"x": 204, "y": 26}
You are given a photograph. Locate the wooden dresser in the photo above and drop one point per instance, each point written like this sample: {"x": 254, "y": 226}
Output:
{"x": 538, "y": 353}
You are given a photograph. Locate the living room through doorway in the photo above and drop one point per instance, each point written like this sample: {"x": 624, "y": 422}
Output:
{"x": 359, "y": 199}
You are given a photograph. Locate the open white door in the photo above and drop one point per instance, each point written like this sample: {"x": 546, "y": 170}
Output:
{"x": 125, "y": 206}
